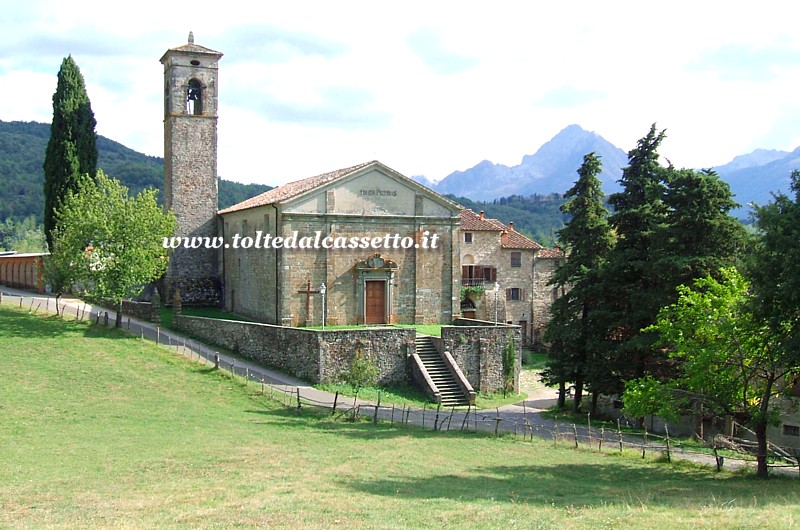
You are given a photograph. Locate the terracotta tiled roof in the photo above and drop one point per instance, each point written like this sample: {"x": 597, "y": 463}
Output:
{"x": 516, "y": 240}
{"x": 552, "y": 253}
{"x": 470, "y": 221}
{"x": 293, "y": 189}
{"x": 191, "y": 47}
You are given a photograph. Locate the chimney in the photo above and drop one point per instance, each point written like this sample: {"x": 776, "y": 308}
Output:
{"x": 503, "y": 238}
{"x": 481, "y": 215}
{"x": 511, "y": 226}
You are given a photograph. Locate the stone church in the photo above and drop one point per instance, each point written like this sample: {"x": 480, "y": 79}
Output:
{"x": 376, "y": 246}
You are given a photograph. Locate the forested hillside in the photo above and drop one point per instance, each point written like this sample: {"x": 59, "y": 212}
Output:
{"x": 537, "y": 216}
{"x": 22, "y": 147}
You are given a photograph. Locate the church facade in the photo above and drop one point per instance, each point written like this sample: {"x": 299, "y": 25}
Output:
{"x": 371, "y": 244}
{"x": 360, "y": 245}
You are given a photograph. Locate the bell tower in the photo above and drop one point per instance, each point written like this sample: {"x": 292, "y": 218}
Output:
{"x": 190, "y": 169}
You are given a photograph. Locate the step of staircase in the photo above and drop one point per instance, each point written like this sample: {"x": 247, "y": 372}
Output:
{"x": 449, "y": 389}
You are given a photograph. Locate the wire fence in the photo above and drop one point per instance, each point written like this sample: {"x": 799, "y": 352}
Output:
{"x": 525, "y": 425}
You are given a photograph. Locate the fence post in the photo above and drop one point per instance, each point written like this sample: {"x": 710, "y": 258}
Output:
{"x": 391, "y": 422}
{"x": 298, "y": 399}
{"x": 466, "y": 417}
{"x": 375, "y": 414}
{"x": 619, "y": 431}
{"x": 796, "y": 459}
{"x": 335, "y": 401}
{"x": 436, "y": 420}
{"x": 666, "y": 429}
{"x": 602, "y": 436}
{"x": 716, "y": 457}
{"x": 450, "y": 419}
{"x": 575, "y": 432}
{"x": 158, "y": 334}
{"x": 644, "y": 443}
{"x": 216, "y": 360}
{"x": 496, "y": 420}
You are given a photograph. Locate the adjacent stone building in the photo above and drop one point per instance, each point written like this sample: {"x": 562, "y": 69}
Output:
{"x": 385, "y": 248}
{"x": 505, "y": 275}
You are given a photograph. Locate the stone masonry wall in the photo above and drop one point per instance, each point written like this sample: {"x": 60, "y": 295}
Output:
{"x": 478, "y": 349}
{"x": 316, "y": 356}
{"x": 542, "y": 297}
{"x": 388, "y": 348}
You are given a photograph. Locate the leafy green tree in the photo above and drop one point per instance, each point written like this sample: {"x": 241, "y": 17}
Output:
{"x": 72, "y": 148}
{"x": 362, "y": 372}
{"x": 729, "y": 360}
{"x": 774, "y": 268}
{"x": 509, "y": 365}
{"x": 108, "y": 242}
{"x": 21, "y": 236}
{"x": 587, "y": 240}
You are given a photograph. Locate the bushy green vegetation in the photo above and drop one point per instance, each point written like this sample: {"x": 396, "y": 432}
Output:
{"x": 23, "y": 236}
{"x": 102, "y": 429}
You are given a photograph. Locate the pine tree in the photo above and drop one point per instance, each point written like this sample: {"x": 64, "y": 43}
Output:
{"x": 700, "y": 237}
{"x": 587, "y": 238}
{"x": 71, "y": 150}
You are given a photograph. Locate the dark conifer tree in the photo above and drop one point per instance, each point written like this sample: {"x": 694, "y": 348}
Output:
{"x": 72, "y": 148}
{"x": 630, "y": 289}
{"x": 587, "y": 240}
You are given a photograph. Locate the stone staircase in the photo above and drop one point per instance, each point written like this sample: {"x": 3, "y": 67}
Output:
{"x": 450, "y": 391}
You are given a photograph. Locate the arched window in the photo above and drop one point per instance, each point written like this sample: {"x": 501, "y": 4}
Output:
{"x": 194, "y": 97}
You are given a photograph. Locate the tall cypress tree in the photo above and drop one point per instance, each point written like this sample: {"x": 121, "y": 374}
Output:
{"x": 72, "y": 148}
{"x": 587, "y": 239}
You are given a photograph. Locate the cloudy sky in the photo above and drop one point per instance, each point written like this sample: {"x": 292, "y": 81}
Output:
{"x": 425, "y": 87}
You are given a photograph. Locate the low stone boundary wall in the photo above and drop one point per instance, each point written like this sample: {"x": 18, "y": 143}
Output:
{"x": 477, "y": 347}
{"x": 312, "y": 355}
{"x": 141, "y": 310}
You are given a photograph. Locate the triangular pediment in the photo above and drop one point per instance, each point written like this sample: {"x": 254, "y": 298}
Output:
{"x": 373, "y": 190}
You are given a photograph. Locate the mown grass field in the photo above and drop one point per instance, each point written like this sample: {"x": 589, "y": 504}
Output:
{"x": 98, "y": 429}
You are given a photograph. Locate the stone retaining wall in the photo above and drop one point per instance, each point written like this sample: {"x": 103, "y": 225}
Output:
{"x": 477, "y": 348}
{"x": 142, "y": 310}
{"x": 312, "y": 355}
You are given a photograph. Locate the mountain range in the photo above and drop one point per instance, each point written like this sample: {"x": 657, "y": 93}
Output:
{"x": 553, "y": 169}
{"x": 528, "y": 194}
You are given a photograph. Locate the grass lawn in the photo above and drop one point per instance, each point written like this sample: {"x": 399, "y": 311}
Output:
{"x": 98, "y": 429}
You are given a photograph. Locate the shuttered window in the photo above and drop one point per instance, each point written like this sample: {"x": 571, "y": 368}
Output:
{"x": 515, "y": 293}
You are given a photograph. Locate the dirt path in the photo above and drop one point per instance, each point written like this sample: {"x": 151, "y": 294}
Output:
{"x": 540, "y": 396}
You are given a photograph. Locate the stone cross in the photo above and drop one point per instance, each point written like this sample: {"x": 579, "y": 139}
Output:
{"x": 308, "y": 292}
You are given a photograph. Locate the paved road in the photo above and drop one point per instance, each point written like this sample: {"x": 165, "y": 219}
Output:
{"x": 521, "y": 419}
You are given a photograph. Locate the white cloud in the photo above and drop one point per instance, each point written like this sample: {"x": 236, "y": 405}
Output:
{"x": 426, "y": 87}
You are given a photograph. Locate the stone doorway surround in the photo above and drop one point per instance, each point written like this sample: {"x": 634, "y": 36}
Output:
{"x": 375, "y": 277}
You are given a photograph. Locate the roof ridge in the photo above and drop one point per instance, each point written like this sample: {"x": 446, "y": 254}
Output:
{"x": 294, "y": 188}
